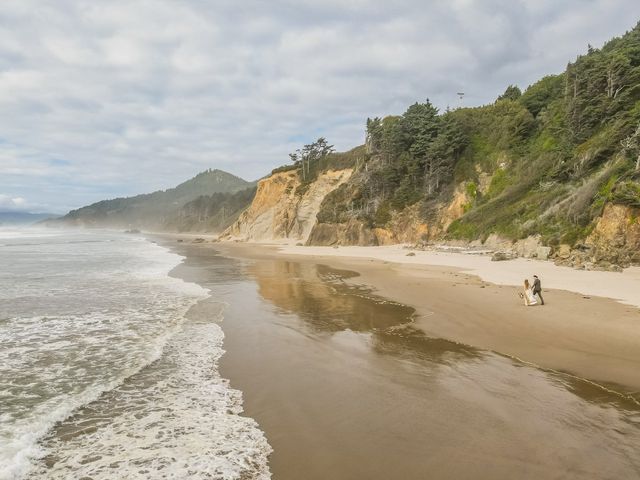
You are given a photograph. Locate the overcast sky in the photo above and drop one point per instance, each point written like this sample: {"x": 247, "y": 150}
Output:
{"x": 101, "y": 99}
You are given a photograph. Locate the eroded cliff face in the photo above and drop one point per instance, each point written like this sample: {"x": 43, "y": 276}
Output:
{"x": 284, "y": 207}
{"x": 613, "y": 244}
{"x": 354, "y": 232}
{"x": 406, "y": 226}
{"x": 616, "y": 236}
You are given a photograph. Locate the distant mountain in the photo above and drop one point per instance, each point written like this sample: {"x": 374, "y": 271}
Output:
{"x": 23, "y": 218}
{"x": 153, "y": 211}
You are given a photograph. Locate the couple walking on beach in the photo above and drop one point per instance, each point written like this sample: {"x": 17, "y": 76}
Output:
{"x": 532, "y": 294}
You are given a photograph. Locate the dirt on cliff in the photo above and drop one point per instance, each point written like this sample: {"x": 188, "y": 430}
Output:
{"x": 405, "y": 226}
{"x": 616, "y": 236}
{"x": 285, "y": 207}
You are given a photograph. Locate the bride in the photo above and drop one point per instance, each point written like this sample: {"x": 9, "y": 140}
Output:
{"x": 527, "y": 295}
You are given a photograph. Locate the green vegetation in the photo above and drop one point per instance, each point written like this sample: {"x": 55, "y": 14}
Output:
{"x": 155, "y": 210}
{"x": 284, "y": 168}
{"x": 416, "y": 154}
{"x": 471, "y": 190}
{"x": 499, "y": 182}
{"x": 555, "y": 154}
{"x": 512, "y": 92}
{"x": 210, "y": 213}
{"x": 383, "y": 214}
{"x": 318, "y": 157}
{"x": 627, "y": 193}
{"x": 308, "y": 159}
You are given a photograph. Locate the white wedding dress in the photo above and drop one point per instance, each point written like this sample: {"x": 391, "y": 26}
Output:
{"x": 530, "y": 298}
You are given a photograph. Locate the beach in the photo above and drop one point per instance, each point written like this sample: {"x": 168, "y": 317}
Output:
{"x": 368, "y": 368}
{"x": 588, "y": 327}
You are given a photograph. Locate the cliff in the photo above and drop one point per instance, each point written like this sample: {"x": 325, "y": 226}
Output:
{"x": 405, "y": 226}
{"x": 616, "y": 236}
{"x": 551, "y": 171}
{"x": 284, "y": 207}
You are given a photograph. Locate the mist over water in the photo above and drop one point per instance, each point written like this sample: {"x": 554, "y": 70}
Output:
{"x": 101, "y": 371}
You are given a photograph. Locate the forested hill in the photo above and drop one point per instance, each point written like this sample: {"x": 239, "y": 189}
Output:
{"x": 547, "y": 162}
{"x": 156, "y": 210}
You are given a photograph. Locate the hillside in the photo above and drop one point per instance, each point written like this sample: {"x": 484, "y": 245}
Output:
{"x": 161, "y": 209}
{"x": 210, "y": 213}
{"x": 556, "y": 166}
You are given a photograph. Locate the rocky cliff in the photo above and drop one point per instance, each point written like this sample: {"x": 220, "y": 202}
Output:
{"x": 550, "y": 171}
{"x": 284, "y": 207}
{"x": 616, "y": 236}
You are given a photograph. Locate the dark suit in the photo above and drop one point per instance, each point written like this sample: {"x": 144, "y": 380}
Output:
{"x": 537, "y": 290}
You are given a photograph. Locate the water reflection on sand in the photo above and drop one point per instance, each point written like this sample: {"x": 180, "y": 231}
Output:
{"x": 499, "y": 406}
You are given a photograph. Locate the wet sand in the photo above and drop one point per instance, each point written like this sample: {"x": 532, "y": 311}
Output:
{"x": 346, "y": 388}
{"x": 591, "y": 337}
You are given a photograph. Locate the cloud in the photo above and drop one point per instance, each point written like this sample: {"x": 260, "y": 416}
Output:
{"x": 8, "y": 204}
{"x": 102, "y": 99}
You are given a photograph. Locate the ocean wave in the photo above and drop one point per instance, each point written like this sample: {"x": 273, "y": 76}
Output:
{"x": 27, "y": 232}
{"x": 20, "y": 446}
{"x": 176, "y": 418}
{"x": 82, "y": 365}
{"x": 53, "y": 365}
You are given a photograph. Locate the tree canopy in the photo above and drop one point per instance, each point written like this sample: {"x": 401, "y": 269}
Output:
{"x": 308, "y": 157}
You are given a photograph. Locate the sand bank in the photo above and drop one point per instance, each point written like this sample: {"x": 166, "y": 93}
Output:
{"x": 469, "y": 299}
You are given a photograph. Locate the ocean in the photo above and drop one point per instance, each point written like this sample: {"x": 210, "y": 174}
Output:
{"x": 102, "y": 372}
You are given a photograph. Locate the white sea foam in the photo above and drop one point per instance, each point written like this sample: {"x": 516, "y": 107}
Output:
{"x": 176, "y": 418}
{"x": 27, "y": 232}
{"x": 89, "y": 316}
{"x": 27, "y": 422}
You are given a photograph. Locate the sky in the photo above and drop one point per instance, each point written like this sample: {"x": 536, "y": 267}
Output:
{"x": 101, "y": 99}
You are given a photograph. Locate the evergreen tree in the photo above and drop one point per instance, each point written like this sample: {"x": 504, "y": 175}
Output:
{"x": 511, "y": 93}
{"x": 307, "y": 157}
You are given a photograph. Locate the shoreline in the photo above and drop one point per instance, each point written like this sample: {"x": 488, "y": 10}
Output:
{"x": 623, "y": 287}
{"x": 343, "y": 385}
{"x": 590, "y": 337}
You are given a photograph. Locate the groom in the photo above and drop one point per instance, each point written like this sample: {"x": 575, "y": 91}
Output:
{"x": 537, "y": 288}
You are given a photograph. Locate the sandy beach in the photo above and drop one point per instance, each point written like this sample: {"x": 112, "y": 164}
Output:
{"x": 356, "y": 368}
{"x": 624, "y": 286}
{"x": 589, "y": 326}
